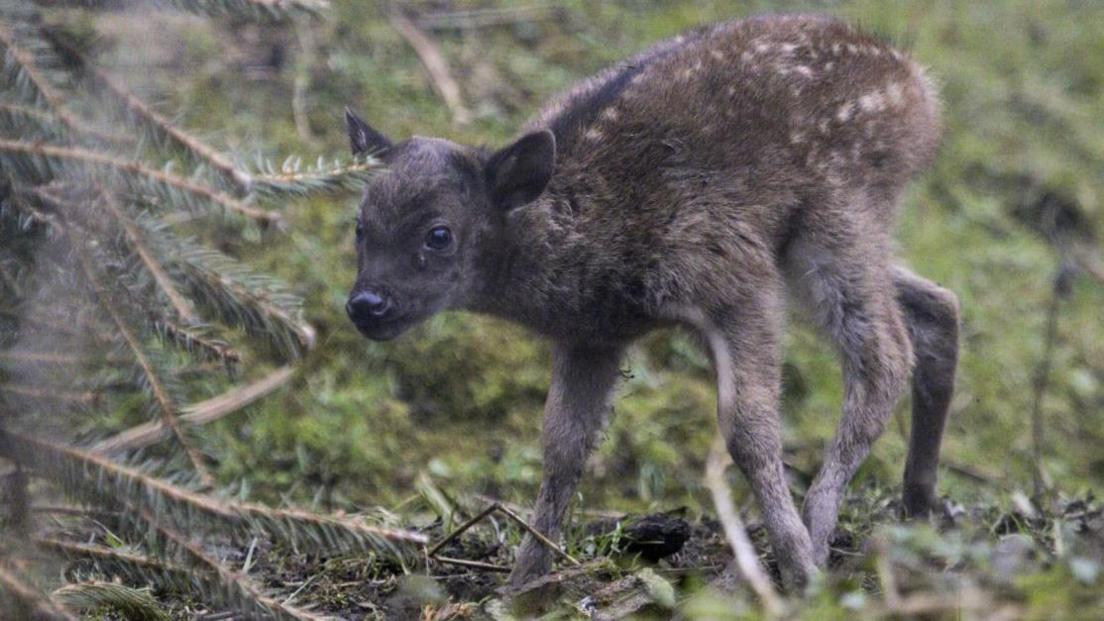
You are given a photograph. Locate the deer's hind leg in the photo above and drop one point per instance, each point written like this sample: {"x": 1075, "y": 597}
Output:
{"x": 842, "y": 268}
{"x": 931, "y": 313}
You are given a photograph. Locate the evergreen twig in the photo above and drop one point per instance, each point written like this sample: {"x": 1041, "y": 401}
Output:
{"x": 134, "y": 236}
{"x": 166, "y": 406}
{"x": 141, "y": 114}
{"x": 173, "y": 189}
{"x": 87, "y": 474}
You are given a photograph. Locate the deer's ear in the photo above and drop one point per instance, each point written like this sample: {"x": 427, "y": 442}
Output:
{"x": 519, "y": 173}
{"x": 363, "y": 138}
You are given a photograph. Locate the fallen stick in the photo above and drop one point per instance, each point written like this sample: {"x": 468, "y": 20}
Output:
{"x": 746, "y": 559}
{"x": 492, "y": 508}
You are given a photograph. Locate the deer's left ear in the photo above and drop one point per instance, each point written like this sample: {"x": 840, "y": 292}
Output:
{"x": 364, "y": 139}
{"x": 518, "y": 174}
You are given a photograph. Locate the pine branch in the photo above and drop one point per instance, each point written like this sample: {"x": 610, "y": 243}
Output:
{"x": 166, "y": 406}
{"x": 140, "y": 114}
{"x": 191, "y": 339}
{"x": 240, "y": 296}
{"x": 237, "y": 588}
{"x": 135, "y": 239}
{"x": 244, "y": 298}
{"x": 114, "y": 556}
{"x": 21, "y": 68}
{"x": 86, "y": 474}
{"x": 291, "y": 179}
{"x": 26, "y": 599}
{"x": 28, "y": 122}
{"x": 132, "y": 603}
{"x": 37, "y": 160}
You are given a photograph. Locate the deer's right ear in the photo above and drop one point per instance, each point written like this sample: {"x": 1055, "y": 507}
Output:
{"x": 519, "y": 173}
{"x": 363, "y": 139}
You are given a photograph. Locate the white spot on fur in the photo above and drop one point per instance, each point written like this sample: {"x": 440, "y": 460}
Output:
{"x": 844, "y": 113}
{"x": 828, "y": 65}
{"x": 719, "y": 55}
{"x": 804, "y": 71}
{"x": 593, "y": 134}
{"x": 895, "y": 94}
{"x": 731, "y": 90}
{"x": 796, "y": 137}
{"x": 610, "y": 114}
{"x": 762, "y": 47}
{"x": 872, "y": 102}
{"x": 852, "y": 48}
{"x": 835, "y": 48}
{"x": 745, "y": 57}
{"x": 823, "y": 126}
{"x": 787, "y": 48}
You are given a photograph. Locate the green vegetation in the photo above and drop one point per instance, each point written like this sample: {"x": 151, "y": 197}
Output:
{"x": 461, "y": 396}
{"x": 424, "y": 425}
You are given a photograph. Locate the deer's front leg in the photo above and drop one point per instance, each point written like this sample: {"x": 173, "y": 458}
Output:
{"x": 583, "y": 379}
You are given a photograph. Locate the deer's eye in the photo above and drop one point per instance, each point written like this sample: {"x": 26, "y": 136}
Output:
{"x": 359, "y": 231}
{"x": 438, "y": 238}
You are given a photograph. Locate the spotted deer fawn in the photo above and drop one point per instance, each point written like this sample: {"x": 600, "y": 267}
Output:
{"x": 704, "y": 182}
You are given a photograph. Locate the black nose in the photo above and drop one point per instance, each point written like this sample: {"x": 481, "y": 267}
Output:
{"x": 367, "y": 303}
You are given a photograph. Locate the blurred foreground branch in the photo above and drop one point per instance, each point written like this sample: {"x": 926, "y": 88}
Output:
{"x": 746, "y": 558}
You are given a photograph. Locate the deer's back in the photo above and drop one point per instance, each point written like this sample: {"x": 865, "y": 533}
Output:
{"x": 744, "y": 121}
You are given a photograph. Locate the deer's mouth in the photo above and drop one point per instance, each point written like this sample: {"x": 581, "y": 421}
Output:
{"x": 384, "y": 330}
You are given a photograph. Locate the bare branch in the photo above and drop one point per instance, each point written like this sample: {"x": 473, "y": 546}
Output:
{"x": 484, "y": 18}
{"x": 47, "y": 357}
{"x": 435, "y": 64}
{"x": 51, "y": 394}
{"x": 198, "y": 413}
{"x": 746, "y": 559}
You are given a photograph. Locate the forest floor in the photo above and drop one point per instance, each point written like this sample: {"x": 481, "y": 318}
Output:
{"x": 979, "y": 562}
